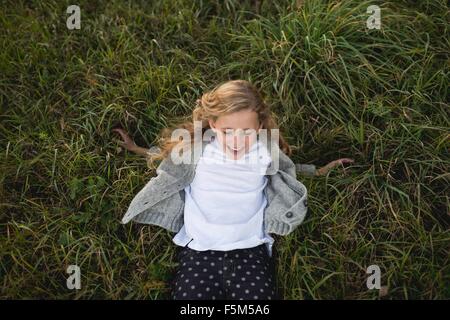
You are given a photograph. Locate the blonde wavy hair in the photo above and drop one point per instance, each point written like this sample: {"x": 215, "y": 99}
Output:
{"x": 226, "y": 98}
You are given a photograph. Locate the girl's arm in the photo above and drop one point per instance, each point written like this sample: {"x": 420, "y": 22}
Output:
{"x": 311, "y": 170}
{"x": 130, "y": 145}
{"x": 339, "y": 162}
{"x": 306, "y": 169}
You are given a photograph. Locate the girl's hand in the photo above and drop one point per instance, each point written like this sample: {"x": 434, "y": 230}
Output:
{"x": 324, "y": 170}
{"x": 127, "y": 142}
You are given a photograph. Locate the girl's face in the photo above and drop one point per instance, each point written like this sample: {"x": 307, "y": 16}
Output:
{"x": 236, "y": 132}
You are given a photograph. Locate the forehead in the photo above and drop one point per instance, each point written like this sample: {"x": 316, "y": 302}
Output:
{"x": 240, "y": 119}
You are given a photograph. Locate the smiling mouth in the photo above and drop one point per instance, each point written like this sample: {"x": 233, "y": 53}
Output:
{"x": 235, "y": 151}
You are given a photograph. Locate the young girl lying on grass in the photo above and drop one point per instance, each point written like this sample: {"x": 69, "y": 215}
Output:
{"x": 224, "y": 203}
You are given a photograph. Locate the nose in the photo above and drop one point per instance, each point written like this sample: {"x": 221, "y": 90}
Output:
{"x": 238, "y": 140}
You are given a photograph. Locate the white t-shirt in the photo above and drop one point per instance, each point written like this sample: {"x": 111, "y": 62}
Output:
{"x": 224, "y": 204}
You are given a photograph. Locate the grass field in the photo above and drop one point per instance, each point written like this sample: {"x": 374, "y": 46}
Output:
{"x": 338, "y": 89}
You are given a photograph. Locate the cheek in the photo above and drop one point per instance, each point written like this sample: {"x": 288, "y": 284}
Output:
{"x": 249, "y": 141}
{"x": 227, "y": 139}
{"x": 222, "y": 139}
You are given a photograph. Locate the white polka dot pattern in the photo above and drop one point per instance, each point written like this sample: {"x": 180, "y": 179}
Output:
{"x": 241, "y": 274}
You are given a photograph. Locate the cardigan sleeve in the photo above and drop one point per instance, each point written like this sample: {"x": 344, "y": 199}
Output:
{"x": 306, "y": 169}
{"x": 153, "y": 150}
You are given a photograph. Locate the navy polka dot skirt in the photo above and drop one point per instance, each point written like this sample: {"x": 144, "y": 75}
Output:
{"x": 241, "y": 274}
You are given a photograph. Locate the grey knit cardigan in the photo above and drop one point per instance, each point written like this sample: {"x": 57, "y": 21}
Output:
{"x": 161, "y": 201}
